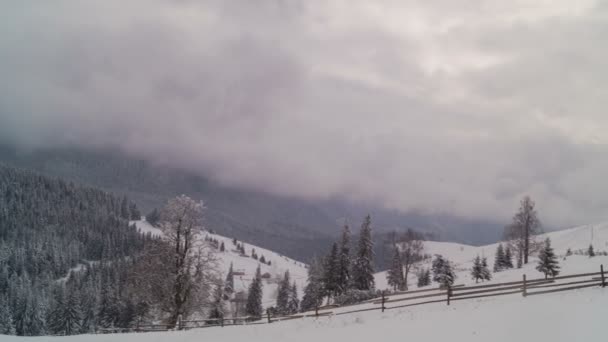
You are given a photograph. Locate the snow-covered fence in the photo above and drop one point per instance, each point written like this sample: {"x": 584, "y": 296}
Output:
{"x": 526, "y": 287}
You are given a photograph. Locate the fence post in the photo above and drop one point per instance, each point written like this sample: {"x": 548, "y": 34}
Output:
{"x": 222, "y": 321}
{"x": 524, "y": 289}
{"x": 603, "y": 277}
{"x": 317, "y": 311}
{"x": 179, "y": 322}
{"x": 383, "y": 300}
{"x": 449, "y": 291}
{"x": 268, "y": 315}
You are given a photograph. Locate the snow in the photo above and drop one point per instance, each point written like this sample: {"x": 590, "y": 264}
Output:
{"x": 144, "y": 227}
{"x": 564, "y": 317}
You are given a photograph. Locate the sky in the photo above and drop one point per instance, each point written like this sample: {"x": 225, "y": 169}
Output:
{"x": 454, "y": 106}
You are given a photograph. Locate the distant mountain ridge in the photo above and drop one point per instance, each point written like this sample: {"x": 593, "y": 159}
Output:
{"x": 294, "y": 227}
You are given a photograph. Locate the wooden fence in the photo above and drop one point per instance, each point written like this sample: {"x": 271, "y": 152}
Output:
{"x": 525, "y": 287}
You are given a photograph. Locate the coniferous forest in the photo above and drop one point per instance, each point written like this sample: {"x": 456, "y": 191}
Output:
{"x": 49, "y": 227}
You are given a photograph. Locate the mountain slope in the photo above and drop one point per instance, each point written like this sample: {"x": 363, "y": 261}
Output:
{"x": 246, "y": 266}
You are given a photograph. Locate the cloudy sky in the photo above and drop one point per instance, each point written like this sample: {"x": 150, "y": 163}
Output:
{"x": 447, "y": 106}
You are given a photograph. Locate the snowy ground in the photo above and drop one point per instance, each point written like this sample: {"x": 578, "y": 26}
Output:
{"x": 570, "y": 316}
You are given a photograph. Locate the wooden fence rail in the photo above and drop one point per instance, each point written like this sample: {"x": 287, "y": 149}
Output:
{"x": 526, "y": 287}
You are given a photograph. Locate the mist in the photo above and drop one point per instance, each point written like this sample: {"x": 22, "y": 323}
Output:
{"x": 430, "y": 106}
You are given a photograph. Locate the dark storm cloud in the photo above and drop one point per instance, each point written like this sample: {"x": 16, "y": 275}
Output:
{"x": 426, "y": 105}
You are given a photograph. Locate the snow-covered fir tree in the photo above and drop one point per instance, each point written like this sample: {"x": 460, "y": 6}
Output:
{"x": 254, "y": 298}
{"x": 394, "y": 276}
{"x": 7, "y": 327}
{"x": 343, "y": 279}
{"x": 443, "y": 272}
{"x": 313, "y": 292}
{"x": 294, "y": 301}
{"x": 499, "y": 259}
{"x": 508, "y": 257}
{"x": 65, "y": 317}
{"x": 283, "y": 295}
{"x": 229, "y": 283}
{"x": 476, "y": 272}
{"x": 331, "y": 272}
{"x": 363, "y": 267}
{"x": 547, "y": 260}
{"x": 591, "y": 251}
{"x": 485, "y": 271}
{"x": 424, "y": 277}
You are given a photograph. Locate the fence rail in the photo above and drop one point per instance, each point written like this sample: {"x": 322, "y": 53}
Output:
{"x": 526, "y": 287}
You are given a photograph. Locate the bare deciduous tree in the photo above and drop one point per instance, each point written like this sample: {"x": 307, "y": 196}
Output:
{"x": 411, "y": 246}
{"x": 521, "y": 231}
{"x": 191, "y": 263}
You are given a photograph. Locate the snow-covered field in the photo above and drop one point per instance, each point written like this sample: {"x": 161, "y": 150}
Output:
{"x": 565, "y": 317}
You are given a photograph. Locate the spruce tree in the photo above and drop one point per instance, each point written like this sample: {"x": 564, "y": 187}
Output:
{"x": 547, "y": 260}
{"x": 395, "y": 273}
{"x": 254, "y": 299}
{"x": 363, "y": 267}
{"x": 65, "y": 316}
{"x": 343, "y": 278}
{"x": 508, "y": 258}
{"x": 476, "y": 271}
{"x": 590, "y": 251}
{"x": 424, "y": 277}
{"x": 283, "y": 295}
{"x": 485, "y": 271}
{"x": 331, "y": 272}
{"x": 7, "y": 326}
{"x": 294, "y": 301}
{"x": 443, "y": 272}
{"x": 313, "y": 292}
{"x": 229, "y": 284}
{"x": 499, "y": 259}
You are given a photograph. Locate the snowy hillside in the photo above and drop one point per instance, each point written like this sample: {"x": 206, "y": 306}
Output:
{"x": 575, "y": 239}
{"x": 244, "y": 265}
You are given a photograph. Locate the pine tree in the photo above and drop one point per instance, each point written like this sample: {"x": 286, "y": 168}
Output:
{"x": 331, "y": 272}
{"x": 222, "y": 247}
{"x": 476, "y": 271}
{"x": 590, "y": 251}
{"x": 294, "y": 301}
{"x": 508, "y": 258}
{"x": 499, "y": 259}
{"x": 254, "y": 299}
{"x": 262, "y": 259}
{"x": 442, "y": 271}
{"x": 395, "y": 273}
{"x": 363, "y": 268}
{"x": 127, "y": 314}
{"x": 65, "y": 317}
{"x": 283, "y": 295}
{"x": 485, "y": 271}
{"x": 229, "y": 284}
{"x": 313, "y": 292}
{"x": 547, "y": 260}
{"x": 7, "y": 326}
{"x": 343, "y": 278}
{"x": 424, "y": 277}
